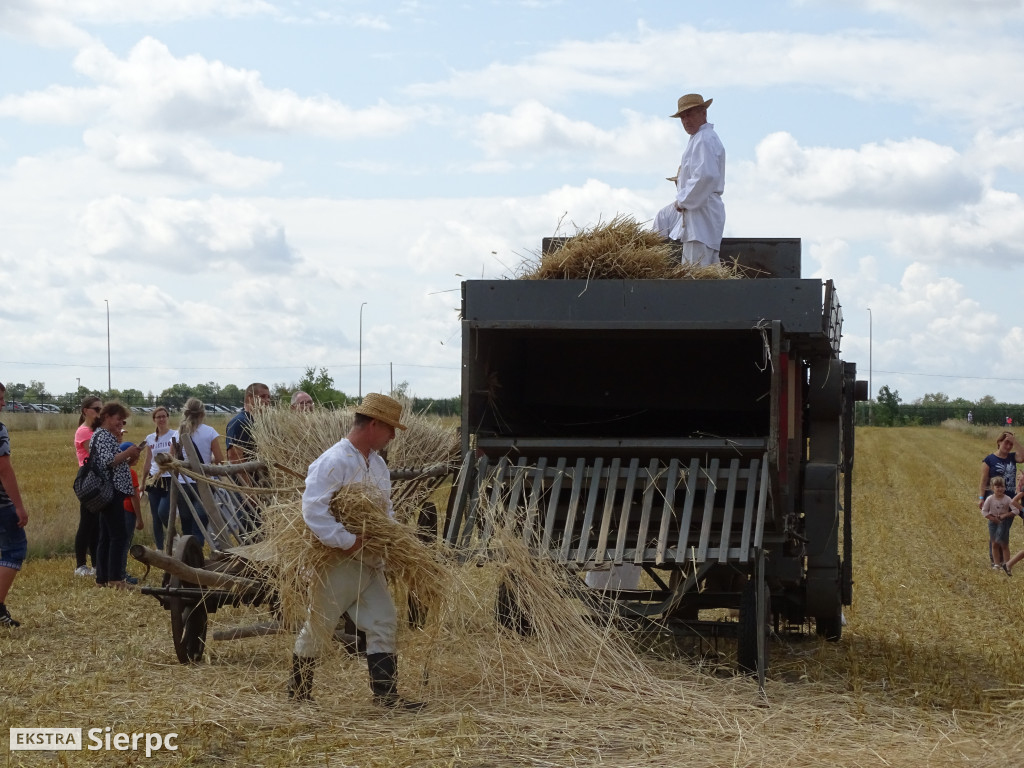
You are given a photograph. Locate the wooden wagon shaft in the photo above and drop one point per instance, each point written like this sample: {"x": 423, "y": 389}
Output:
{"x": 200, "y": 576}
{"x": 260, "y": 629}
{"x": 167, "y": 463}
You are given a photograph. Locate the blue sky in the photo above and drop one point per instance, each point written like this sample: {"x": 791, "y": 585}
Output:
{"x": 237, "y": 177}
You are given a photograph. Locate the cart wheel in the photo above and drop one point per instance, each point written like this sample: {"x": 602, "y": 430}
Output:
{"x": 188, "y": 617}
{"x": 746, "y": 637}
{"x": 829, "y": 627}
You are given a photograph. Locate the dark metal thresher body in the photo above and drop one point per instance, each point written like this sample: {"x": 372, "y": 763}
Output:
{"x": 687, "y": 427}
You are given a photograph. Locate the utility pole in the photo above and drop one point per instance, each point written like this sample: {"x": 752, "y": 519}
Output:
{"x": 109, "y": 387}
{"x": 361, "y": 351}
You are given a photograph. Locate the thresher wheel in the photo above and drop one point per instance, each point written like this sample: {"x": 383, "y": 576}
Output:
{"x": 746, "y": 637}
{"x": 829, "y": 627}
{"x": 188, "y": 616}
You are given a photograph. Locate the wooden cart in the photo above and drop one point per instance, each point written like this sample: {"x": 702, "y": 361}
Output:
{"x": 198, "y": 579}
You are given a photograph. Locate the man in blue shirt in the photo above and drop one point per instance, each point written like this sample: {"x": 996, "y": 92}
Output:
{"x": 240, "y": 443}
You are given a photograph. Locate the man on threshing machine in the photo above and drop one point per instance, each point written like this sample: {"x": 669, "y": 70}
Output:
{"x": 697, "y": 216}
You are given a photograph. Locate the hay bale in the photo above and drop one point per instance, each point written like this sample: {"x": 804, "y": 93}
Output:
{"x": 621, "y": 249}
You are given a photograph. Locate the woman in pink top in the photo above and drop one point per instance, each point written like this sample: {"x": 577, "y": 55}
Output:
{"x": 88, "y": 523}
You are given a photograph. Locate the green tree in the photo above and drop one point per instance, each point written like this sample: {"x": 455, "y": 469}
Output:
{"x": 888, "y": 412}
{"x": 132, "y": 397}
{"x": 176, "y": 395}
{"x": 15, "y": 391}
{"x": 986, "y": 401}
{"x": 934, "y": 399}
{"x": 36, "y": 392}
{"x": 232, "y": 395}
{"x": 320, "y": 386}
{"x": 208, "y": 392}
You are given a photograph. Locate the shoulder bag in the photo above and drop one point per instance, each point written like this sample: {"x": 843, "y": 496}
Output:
{"x": 94, "y": 485}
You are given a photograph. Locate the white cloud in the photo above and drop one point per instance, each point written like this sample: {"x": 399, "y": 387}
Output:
{"x": 928, "y": 74}
{"x": 990, "y": 231}
{"x": 994, "y": 151}
{"x": 188, "y": 157}
{"x": 153, "y": 90}
{"x": 186, "y": 235}
{"x": 904, "y": 175}
{"x": 940, "y": 12}
{"x": 531, "y": 129}
{"x": 55, "y": 23}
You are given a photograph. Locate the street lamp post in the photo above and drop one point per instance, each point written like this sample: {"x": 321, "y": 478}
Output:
{"x": 361, "y": 351}
{"x": 870, "y": 320}
{"x": 109, "y": 387}
{"x": 870, "y": 346}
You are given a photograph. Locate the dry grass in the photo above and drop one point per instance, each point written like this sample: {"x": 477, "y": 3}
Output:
{"x": 618, "y": 250}
{"x": 926, "y": 673}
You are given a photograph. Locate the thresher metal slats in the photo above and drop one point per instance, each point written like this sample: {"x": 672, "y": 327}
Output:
{"x": 474, "y": 501}
{"x": 650, "y": 486}
{"x": 748, "y": 516}
{"x": 497, "y": 487}
{"x": 709, "y": 505}
{"x": 762, "y": 502}
{"x": 611, "y": 486}
{"x": 574, "y": 502}
{"x": 534, "y": 503}
{"x": 549, "y": 521}
{"x": 459, "y": 510}
{"x": 684, "y": 527}
{"x": 588, "y": 519}
{"x": 601, "y": 512}
{"x": 518, "y": 483}
{"x": 667, "y": 510}
{"x": 627, "y": 503}
{"x": 730, "y": 499}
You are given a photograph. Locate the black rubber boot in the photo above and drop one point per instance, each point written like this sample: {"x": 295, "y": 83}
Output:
{"x": 301, "y": 686}
{"x": 384, "y": 682}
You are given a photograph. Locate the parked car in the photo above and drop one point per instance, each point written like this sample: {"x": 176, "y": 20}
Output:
{"x": 46, "y": 407}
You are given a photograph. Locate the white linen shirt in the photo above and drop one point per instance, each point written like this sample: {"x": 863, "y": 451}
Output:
{"x": 341, "y": 464}
{"x": 699, "y": 189}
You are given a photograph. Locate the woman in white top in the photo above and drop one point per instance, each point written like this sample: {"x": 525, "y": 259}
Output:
{"x": 158, "y": 485}
{"x": 194, "y": 432}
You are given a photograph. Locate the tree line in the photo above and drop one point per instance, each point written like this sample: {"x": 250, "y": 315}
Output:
{"x": 889, "y": 410}
{"x": 319, "y": 385}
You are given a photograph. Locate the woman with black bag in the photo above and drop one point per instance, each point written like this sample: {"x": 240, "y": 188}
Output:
{"x": 88, "y": 524}
{"x": 105, "y": 452}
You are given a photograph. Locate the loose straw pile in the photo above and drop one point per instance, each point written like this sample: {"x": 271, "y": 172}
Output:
{"x": 291, "y": 557}
{"x": 621, "y": 249}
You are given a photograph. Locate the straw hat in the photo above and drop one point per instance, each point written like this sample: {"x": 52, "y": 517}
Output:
{"x": 382, "y": 408}
{"x": 689, "y": 101}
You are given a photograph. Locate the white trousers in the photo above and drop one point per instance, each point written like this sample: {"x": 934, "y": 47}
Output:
{"x": 666, "y": 220}
{"x": 668, "y": 223}
{"x": 698, "y": 253}
{"x": 359, "y": 590}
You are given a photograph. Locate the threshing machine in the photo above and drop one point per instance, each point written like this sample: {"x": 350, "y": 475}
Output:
{"x": 697, "y": 431}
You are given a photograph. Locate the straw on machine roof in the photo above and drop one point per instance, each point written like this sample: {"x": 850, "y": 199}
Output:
{"x": 621, "y": 249}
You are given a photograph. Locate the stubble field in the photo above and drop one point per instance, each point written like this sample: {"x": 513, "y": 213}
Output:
{"x": 928, "y": 671}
